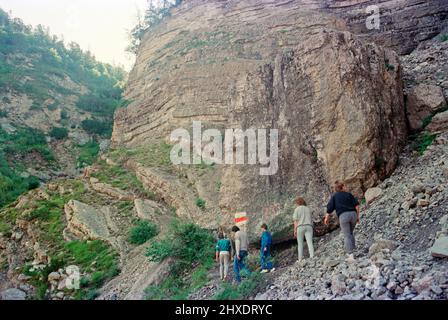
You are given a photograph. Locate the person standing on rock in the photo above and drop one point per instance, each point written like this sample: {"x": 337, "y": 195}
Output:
{"x": 303, "y": 227}
{"x": 223, "y": 248}
{"x": 265, "y": 250}
{"x": 347, "y": 209}
{"x": 241, "y": 252}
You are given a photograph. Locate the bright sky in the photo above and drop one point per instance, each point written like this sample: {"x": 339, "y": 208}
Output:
{"x": 100, "y": 26}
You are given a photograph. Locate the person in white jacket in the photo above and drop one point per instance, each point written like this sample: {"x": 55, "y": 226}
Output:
{"x": 303, "y": 227}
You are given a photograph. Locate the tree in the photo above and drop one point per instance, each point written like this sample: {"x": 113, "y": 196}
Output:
{"x": 59, "y": 133}
{"x": 156, "y": 12}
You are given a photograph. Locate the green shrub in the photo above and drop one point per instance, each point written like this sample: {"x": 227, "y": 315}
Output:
{"x": 6, "y": 100}
{"x": 23, "y": 141}
{"x": 192, "y": 248}
{"x": 4, "y": 227}
{"x": 443, "y": 37}
{"x": 422, "y": 142}
{"x": 3, "y": 114}
{"x": 389, "y": 66}
{"x": 16, "y": 146}
{"x": 245, "y": 290}
{"x": 64, "y": 115}
{"x": 52, "y": 60}
{"x": 142, "y": 232}
{"x": 101, "y": 128}
{"x": 200, "y": 203}
{"x": 122, "y": 178}
{"x": 88, "y": 153}
{"x": 53, "y": 106}
{"x": 94, "y": 257}
{"x": 187, "y": 243}
{"x": 59, "y": 133}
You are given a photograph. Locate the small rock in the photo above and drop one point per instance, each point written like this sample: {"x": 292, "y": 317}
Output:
{"x": 60, "y": 295}
{"x": 423, "y": 284}
{"x": 422, "y": 203}
{"x": 23, "y": 278}
{"x": 418, "y": 188}
{"x": 436, "y": 289}
{"x": 380, "y": 244}
{"x": 399, "y": 290}
{"x": 13, "y": 294}
{"x": 405, "y": 206}
{"x": 391, "y": 286}
{"x": 338, "y": 287}
{"x": 54, "y": 276}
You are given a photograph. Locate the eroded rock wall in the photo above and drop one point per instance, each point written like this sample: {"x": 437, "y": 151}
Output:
{"x": 336, "y": 100}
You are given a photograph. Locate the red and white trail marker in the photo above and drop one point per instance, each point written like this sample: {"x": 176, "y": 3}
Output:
{"x": 241, "y": 220}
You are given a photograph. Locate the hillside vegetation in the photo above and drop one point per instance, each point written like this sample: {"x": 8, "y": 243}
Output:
{"x": 51, "y": 95}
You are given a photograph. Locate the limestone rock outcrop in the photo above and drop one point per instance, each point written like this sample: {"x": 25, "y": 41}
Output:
{"x": 337, "y": 102}
{"x": 85, "y": 222}
{"x": 422, "y": 102}
{"x": 439, "y": 122}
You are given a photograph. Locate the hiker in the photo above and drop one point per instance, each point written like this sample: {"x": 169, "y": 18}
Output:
{"x": 303, "y": 227}
{"x": 347, "y": 209}
{"x": 241, "y": 247}
{"x": 265, "y": 250}
{"x": 223, "y": 249}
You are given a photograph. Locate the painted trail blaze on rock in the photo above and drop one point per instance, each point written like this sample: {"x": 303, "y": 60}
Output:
{"x": 241, "y": 220}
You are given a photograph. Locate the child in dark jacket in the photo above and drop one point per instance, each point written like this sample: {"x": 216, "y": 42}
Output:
{"x": 265, "y": 250}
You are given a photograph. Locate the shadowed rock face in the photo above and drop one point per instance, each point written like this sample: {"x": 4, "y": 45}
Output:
{"x": 336, "y": 101}
{"x": 403, "y": 23}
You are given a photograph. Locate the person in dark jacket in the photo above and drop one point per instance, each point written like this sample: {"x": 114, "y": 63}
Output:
{"x": 265, "y": 250}
{"x": 347, "y": 209}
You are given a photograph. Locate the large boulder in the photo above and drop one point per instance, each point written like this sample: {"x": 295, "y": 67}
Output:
{"x": 423, "y": 101}
{"x": 440, "y": 248}
{"x": 439, "y": 122}
{"x": 372, "y": 194}
{"x": 336, "y": 101}
{"x": 85, "y": 222}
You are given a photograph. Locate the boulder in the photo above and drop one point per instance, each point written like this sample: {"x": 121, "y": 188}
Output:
{"x": 54, "y": 277}
{"x": 439, "y": 122}
{"x": 381, "y": 244}
{"x": 13, "y": 294}
{"x": 440, "y": 247}
{"x": 85, "y": 222}
{"x": 418, "y": 188}
{"x": 372, "y": 194}
{"x": 41, "y": 257}
{"x": 423, "y": 101}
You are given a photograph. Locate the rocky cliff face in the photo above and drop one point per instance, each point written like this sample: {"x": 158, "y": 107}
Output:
{"x": 336, "y": 100}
